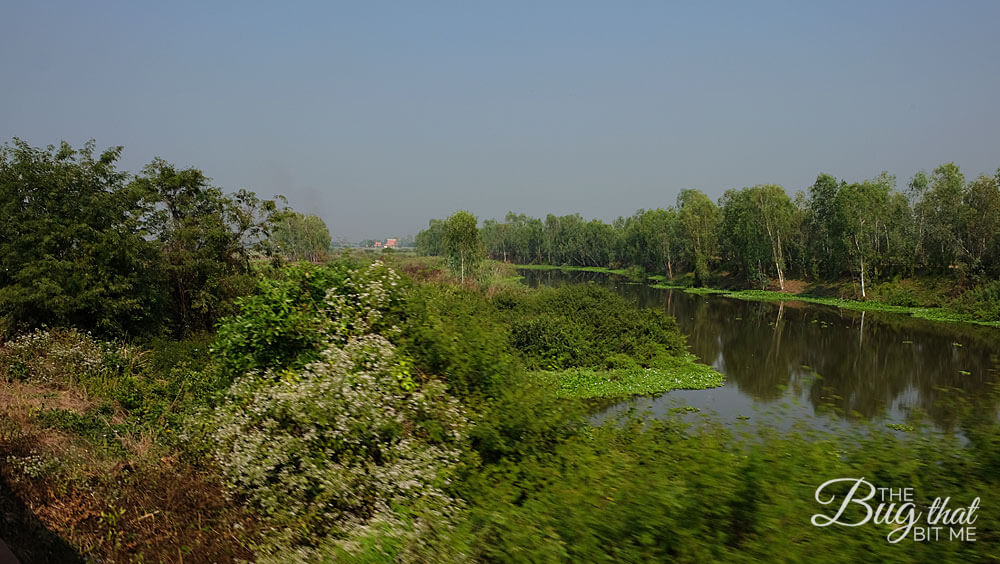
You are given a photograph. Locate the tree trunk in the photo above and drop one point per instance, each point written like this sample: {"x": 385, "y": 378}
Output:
{"x": 861, "y": 257}
{"x": 862, "y": 276}
{"x": 778, "y": 259}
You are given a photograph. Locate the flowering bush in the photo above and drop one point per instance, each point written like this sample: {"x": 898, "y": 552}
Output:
{"x": 329, "y": 452}
{"x": 57, "y": 355}
{"x": 327, "y": 449}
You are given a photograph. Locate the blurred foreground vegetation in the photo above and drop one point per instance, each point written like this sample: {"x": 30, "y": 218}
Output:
{"x": 358, "y": 411}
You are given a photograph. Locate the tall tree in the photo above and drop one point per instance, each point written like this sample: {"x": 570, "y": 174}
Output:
{"x": 756, "y": 227}
{"x": 743, "y": 241}
{"x": 942, "y": 207}
{"x": 72, "y": 249}
{"x": 206, "y": 238}
{"x": 462, "y": 241}
{"x": 823, "y": 233}
{"x": 700, "y": 219}
{"x": 298, "y": 236}
{"x": 774, "y": 211}
{"x": 430, "y": 241}
{"x": 497, "y": 238}
{"x": 980, "y": 222}
{"x": 862, "y": 209}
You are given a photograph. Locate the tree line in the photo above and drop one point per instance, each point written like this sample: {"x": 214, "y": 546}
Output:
{"x": 87, "y": 245}
{"x": 939, "y": 224}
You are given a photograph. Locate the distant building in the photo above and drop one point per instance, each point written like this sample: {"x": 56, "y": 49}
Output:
{"x": 391, "y": 243}
{"x": 378, "y": 244}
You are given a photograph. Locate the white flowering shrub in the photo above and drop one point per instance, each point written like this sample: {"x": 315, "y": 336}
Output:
{"x": 56, "y": 355}
{"x": 356, "y": 306}
{"x": 331, "y": 451}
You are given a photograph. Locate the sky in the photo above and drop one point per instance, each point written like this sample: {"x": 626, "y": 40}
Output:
{"x": 378, "y": 116}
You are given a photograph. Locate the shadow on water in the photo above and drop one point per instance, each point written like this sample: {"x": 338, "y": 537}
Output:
{"x": 789, "y": 362}
{"x": 27, "y": 537}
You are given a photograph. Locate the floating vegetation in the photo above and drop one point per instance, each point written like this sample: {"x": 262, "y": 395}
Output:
{"x": 681, "y": 373}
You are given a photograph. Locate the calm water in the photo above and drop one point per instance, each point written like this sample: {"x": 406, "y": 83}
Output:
{"x": 794, "y": 362}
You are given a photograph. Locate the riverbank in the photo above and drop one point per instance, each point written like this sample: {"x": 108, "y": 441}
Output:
{"x": 929, "y": 313}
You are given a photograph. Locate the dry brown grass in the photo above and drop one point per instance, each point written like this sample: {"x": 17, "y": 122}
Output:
{"x": 20, "y": 397}
{"x": 87, "y": 503}
{"x": 159, "y": 510}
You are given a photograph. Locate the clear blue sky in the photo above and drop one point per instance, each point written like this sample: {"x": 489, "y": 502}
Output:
{"x": 377, "y": 116}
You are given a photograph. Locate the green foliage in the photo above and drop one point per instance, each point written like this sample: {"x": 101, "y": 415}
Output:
{"x": 862, "y": 208}
{"x": 625, "y": 379}
{"x": 440, "y": 336}
{"x": 85, "y": 247}
{"x": 330, "y": 451}
{"x": 206, "y": 238}
{"x": 462, "y": 244}
{"x": 649, "y": 492}
{"x": 292, "y": 314}
{"x": 329, "y": 431}
{"x": 700, "y": 219}
{"x": 430, "y": 241}
{"x": 583, "y": 326}
{"x": 72, "y": 250}
{"x": 982, "y": 303}
{"x": 552, "y": 329}
{"x": 148, "y": 392}
{"x": 942, "y": 226}
{"x": 756, "y": 229}
{"x": 59, "y": 356}
{"x": 299, "y": 236}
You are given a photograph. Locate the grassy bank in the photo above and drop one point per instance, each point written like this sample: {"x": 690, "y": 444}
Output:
{"x": 633, "y": 273}
{"x": 683, "y": 283}
{"x": 929, "y": 313}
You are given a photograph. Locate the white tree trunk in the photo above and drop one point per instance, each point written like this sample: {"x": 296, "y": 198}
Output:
{"x": 862, "y": 276}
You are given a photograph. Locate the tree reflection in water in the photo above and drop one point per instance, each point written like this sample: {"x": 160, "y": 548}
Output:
{"x": 846, "y": 365}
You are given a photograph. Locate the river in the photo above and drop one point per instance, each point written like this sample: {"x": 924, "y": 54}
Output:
{"x": 789, "y": 363}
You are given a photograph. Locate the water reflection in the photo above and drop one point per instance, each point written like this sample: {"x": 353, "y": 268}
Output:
{"x": 818, "y": 361}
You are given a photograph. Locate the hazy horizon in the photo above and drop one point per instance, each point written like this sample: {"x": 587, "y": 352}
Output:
{"x": 380, "y": 116}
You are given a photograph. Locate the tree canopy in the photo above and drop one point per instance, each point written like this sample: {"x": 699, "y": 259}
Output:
{"x": 868, "y": 231}
{"x": 86, "y": 245}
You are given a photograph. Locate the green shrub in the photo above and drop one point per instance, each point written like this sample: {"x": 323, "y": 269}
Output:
{"x": 584, "y": 326}
{"x": 895, "y": 293}
{"x": 655, "y": 492}
{"x": 291, "y": 316}
{"x": 450, "y": 332}
{"x": 982, "y": 302}
{"x": 548, "y": 342}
